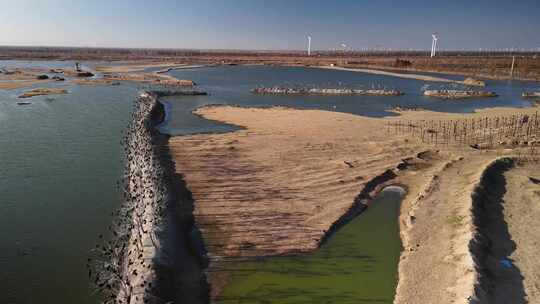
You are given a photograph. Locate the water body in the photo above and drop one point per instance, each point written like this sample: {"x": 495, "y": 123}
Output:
{"x": 232, "y": 84}
{"x": 60, "y": 158}
{"x": 357, "y": 265}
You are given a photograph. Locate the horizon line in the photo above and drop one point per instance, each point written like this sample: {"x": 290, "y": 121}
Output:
{"x": 335, "y": 50}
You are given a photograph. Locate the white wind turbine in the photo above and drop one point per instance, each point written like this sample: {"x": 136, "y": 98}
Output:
{"x": 434, "y": 45}
{"x": 309, "y": 45}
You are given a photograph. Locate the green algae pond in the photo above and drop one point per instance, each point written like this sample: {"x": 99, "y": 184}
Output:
{"x": 358, "y": 264}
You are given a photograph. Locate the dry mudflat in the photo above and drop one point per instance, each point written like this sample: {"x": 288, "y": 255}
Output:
{"x": 21, "y": 78}
{"x": 114, "y": 74}
{"x": 42, "y": 91}
{"x": 278, "y": 185}
{"x": 468, "y": 81}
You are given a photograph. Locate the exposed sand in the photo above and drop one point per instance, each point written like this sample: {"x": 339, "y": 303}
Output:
{"x": 522, "y": 213}
{"x": 132, "y": 67}
{"x": 95, "y": 81}
{"x": 21, "y": 78}
{"x": 17, "y": 84}
{"x": 181, "y": 67}
{"x": 140, "y": 67}
{"x": 135, "y": 76}
{"x": 400, "y": 75}
{"x": 42, "y": 91}
{"x": 277, "y": 186}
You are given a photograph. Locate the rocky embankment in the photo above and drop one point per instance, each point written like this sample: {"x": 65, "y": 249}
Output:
{"x": 458, "y": 94}
{"x": 149, "y": 258}
{"x": 326, "y": 91}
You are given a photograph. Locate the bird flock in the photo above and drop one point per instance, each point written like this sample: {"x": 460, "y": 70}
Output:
{"x": 123, "y": 266}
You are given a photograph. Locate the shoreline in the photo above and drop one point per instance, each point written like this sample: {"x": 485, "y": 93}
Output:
{"x": 153, "y": 248}
{"x": 464, "y": 74}
{"x": 392, "y": 74}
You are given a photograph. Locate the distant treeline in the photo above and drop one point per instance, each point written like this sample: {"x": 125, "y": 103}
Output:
{"x": 91, "y": 53}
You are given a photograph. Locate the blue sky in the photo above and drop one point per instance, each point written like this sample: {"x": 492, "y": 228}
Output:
{"x": 271, "y": 24}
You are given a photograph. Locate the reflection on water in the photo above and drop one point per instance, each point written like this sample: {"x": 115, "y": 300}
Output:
{"x": 358, "y": 264}
{"x": 60, "y": 158}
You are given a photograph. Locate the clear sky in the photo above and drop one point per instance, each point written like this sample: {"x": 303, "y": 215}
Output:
{"x": 271, "y": 24}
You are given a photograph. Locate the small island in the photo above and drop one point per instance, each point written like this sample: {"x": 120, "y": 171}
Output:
{"x": 42, "y": 91}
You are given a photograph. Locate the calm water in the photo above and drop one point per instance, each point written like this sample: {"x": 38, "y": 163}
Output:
{"x": 357, "y": 265}
{"x": 231, "y": 85}
{"x": 60, "y": 158}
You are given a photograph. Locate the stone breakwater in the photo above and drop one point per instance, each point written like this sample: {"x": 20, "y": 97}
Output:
{"x": 458, "y": 94}
{"x": 149, "y": 258}
{"x": 326, "y": 91}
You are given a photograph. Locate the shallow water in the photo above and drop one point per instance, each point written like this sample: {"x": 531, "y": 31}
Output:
{"x": 232, "y": 85}
{"x": 358, "y": 264}
{"x": 60, "y": 158}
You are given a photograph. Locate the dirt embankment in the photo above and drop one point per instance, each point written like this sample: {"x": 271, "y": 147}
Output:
{"x": 522, "y": 215}
{"x": 492, "y": 242}
{"x": 506, "y": 242}
{"x": 436, "y": 227}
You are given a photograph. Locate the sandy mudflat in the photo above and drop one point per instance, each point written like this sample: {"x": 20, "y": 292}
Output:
{"x": 135, "y": 73}
{"x": 278, "y": 185}
{"x": 17, "y": 84}
{"x": 292, "y": 173}
{"x": 42, "y": 91}
{"x": 21, "y": 78}
{"x": 394, "y": 74}
{"x": 132, "y": 67}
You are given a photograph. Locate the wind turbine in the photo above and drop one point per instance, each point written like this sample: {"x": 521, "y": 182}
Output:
{"x": 434, "y": 45}
{"x": 309, "y": 45}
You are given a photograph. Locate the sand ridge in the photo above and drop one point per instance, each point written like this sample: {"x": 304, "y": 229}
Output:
{"x": 394, "y": 74}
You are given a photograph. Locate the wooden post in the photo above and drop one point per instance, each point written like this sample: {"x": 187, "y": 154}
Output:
{"x": 512, "y": 67}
